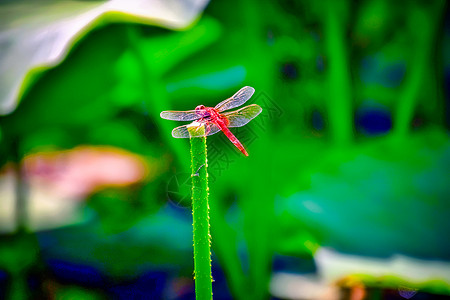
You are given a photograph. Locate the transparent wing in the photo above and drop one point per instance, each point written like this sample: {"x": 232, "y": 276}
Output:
{"x": 237, "y": 99}
{"x": 188, "y": 115}
{"x": 183, "y": 132}
{"x": 242, "y": 116}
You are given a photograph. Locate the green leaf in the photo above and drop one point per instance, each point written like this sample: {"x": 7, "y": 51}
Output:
{"x": 35, "y": 37}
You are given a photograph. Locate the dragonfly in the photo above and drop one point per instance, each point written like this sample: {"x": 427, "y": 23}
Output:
{"x": 216, "y": 119}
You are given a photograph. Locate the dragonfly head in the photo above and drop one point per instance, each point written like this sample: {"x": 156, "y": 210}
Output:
{"x": 201, "y": 111}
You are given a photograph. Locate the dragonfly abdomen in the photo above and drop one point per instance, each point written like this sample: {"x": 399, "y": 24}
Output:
{"x": 231, "y": 137}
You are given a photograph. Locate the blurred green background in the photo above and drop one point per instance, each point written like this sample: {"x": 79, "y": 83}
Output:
{"x": 348, "y": 173}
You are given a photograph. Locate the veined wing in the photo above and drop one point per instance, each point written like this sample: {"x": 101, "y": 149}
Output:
{"x": 242, "y": 116}
{"x": 237, "y": 99}
{"x": 183, "y": 132}
{"x": 188, "y": 115}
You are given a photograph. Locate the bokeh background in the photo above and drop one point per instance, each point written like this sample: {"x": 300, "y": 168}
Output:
{"x": 345, "y": 192}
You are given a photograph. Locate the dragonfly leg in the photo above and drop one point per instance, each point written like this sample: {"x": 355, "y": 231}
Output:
{"x": 198, "y": 170}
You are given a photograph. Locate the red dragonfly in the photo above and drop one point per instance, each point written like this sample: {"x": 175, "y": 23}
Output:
{"x": 215, "y": 119}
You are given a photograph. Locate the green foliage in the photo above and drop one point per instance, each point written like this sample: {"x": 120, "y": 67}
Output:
{"x": 314, "y": 65}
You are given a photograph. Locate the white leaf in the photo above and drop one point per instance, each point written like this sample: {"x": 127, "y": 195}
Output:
{"x": 36, "y": 34}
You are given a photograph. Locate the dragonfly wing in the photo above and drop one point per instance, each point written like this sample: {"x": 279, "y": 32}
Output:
{"x": 237, "y": 99}
{"x": 180, "y": 132}
{"x": 183, "y": 132}
{"x": 188, "y": 115}
{"x": 213, "y": 128}
{"x": 242, "y": 116}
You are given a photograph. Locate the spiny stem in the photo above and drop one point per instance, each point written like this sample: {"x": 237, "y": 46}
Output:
{"x": 200, "y": 214}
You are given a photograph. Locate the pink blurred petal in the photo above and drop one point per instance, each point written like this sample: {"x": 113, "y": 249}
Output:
{"x": 82, "y": 170}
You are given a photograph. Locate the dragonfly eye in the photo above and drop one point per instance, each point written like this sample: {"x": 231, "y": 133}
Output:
{"x": 200, "y": 110}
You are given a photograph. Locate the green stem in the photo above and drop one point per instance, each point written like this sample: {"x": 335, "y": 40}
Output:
{"x": 258, "y": 223}
{"x": 153, "y": 88}
{"x": 200, "y": 214}
{"x": 21, "y": 189}
{"x": 420, "y": 63}
{"x": 19, "y": 287}
{"x": 339, "y": 82}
